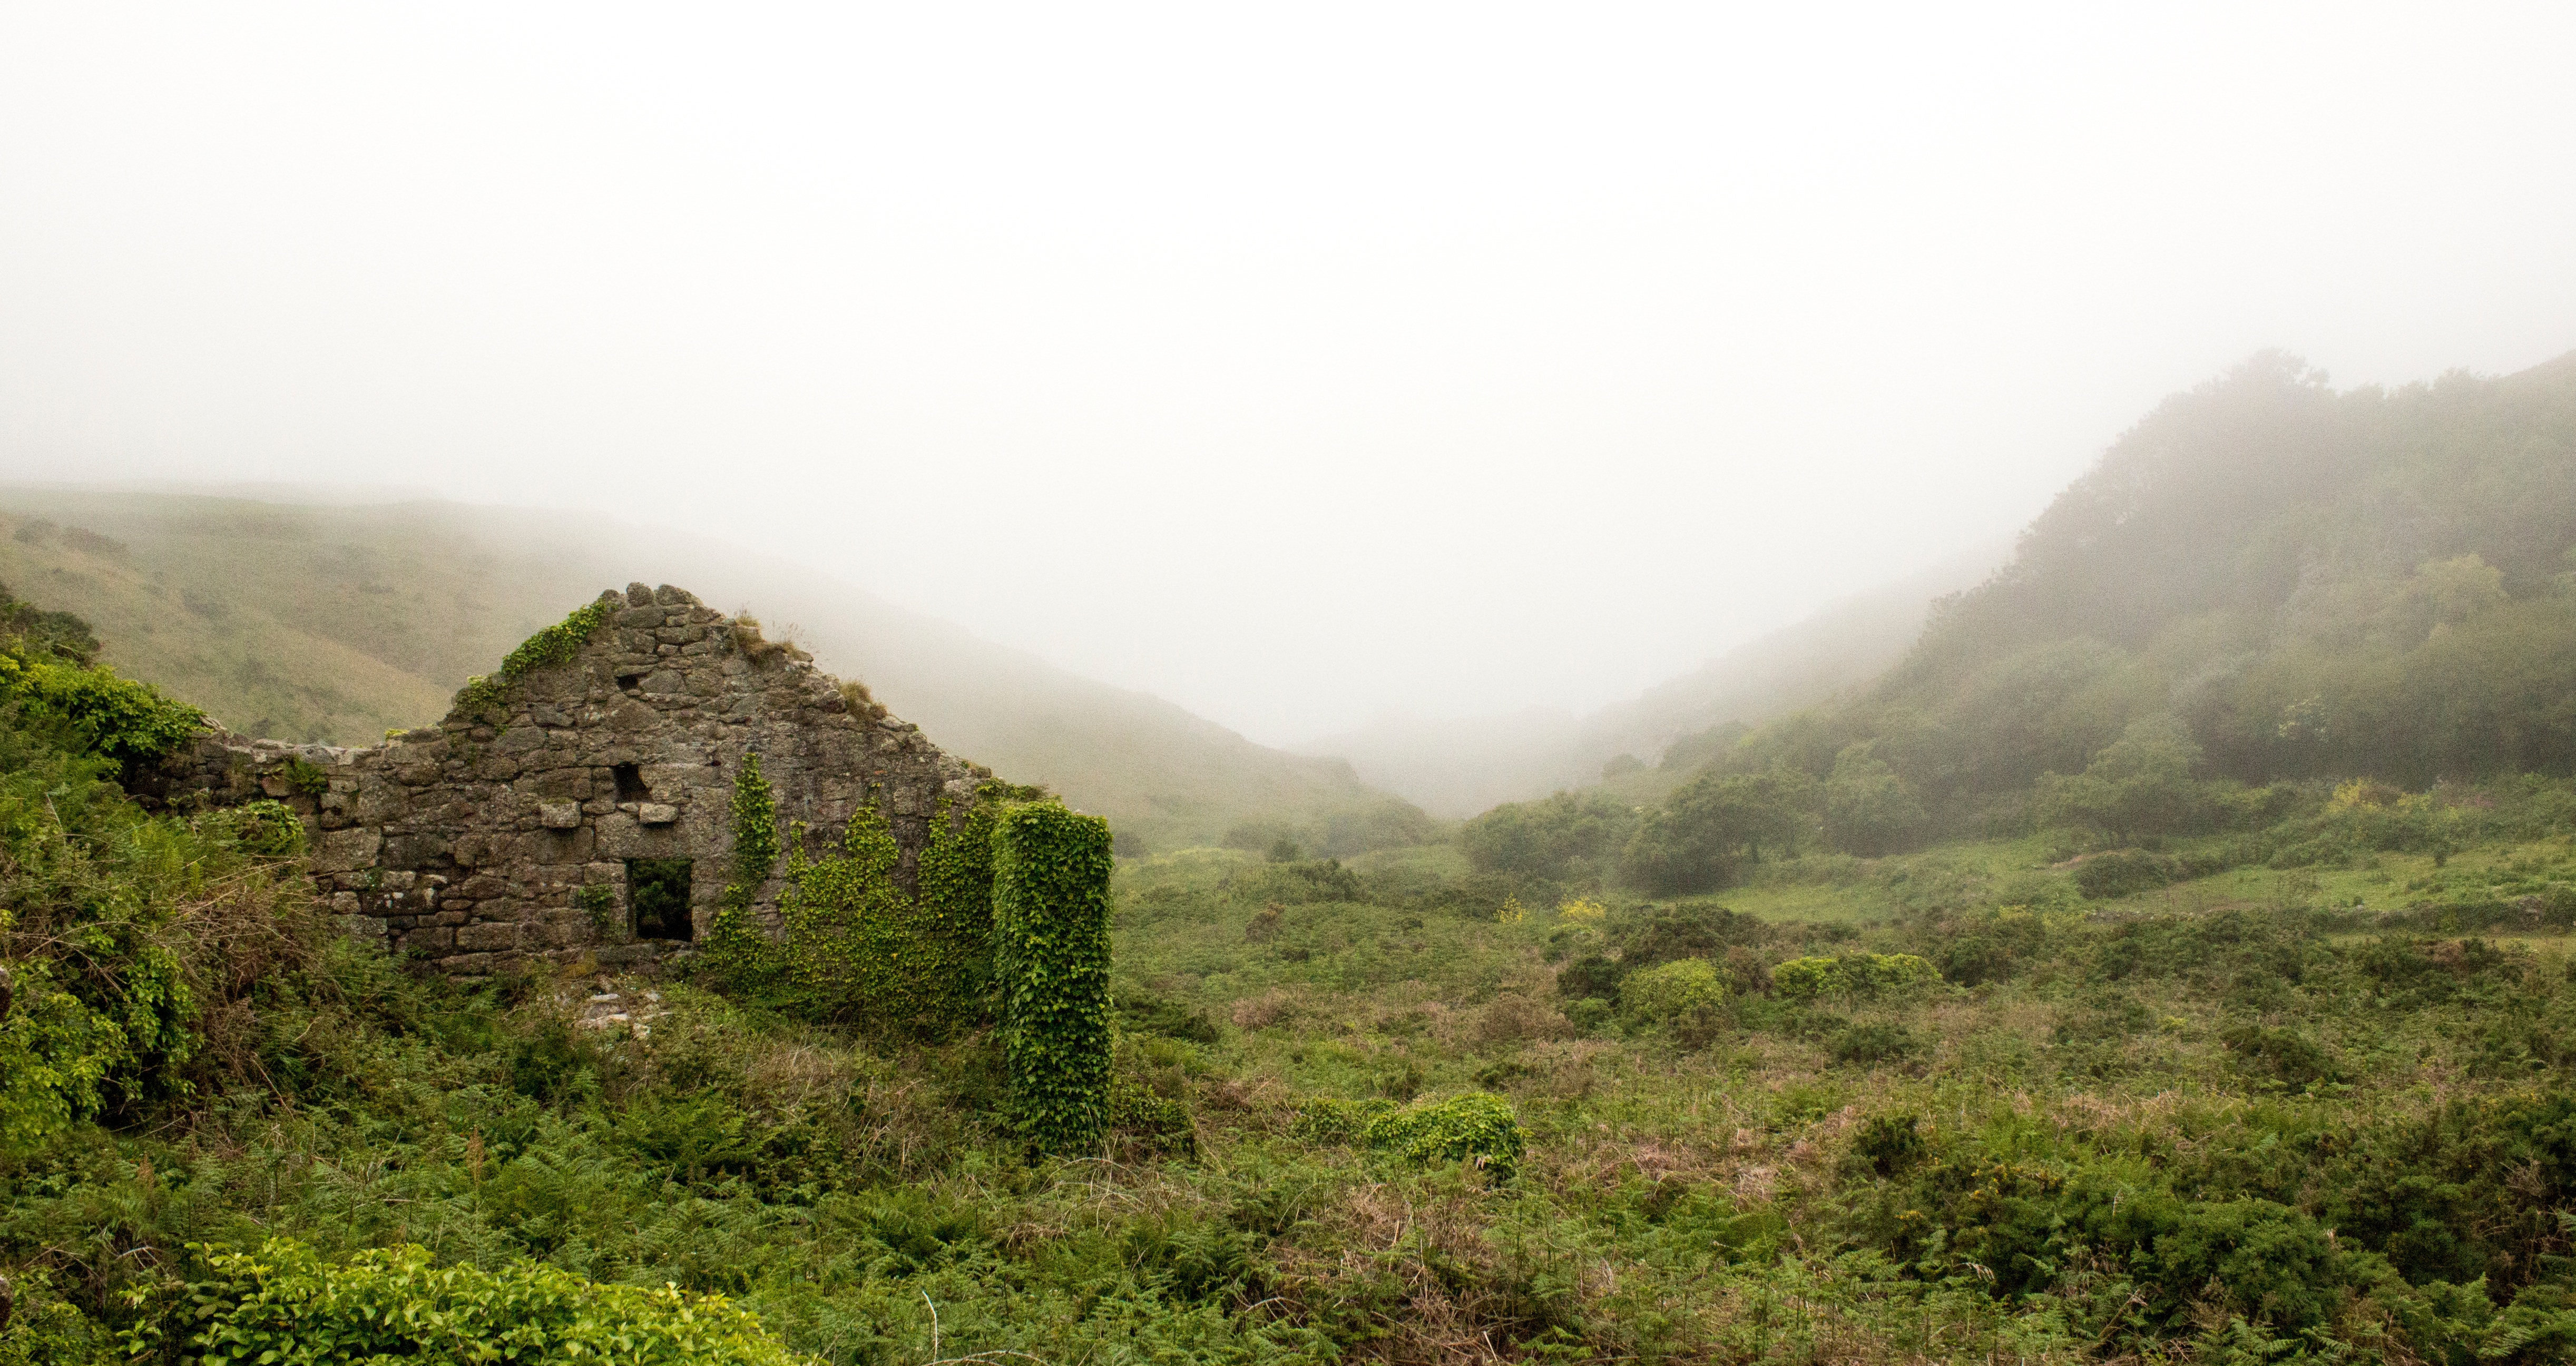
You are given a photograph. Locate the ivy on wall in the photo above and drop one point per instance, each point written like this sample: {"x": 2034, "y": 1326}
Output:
{"x": 1011, "y": 911}
{"x": 735, "y": 947}
{"x": 557, "y": 644}
{"x": 1051, "y": 955}
{"x": 855, "y": 947}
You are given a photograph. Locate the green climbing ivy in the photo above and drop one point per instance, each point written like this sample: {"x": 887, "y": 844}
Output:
{"x": 855, "y": 946}
{"x": 1011, "y": 902}
{"x": 735, "y": 947}
{"x": 1051, "y": 954}
{"x": 556, "y": 644}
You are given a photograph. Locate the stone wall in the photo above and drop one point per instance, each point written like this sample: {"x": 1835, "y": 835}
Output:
{"x": 466, "y": 843}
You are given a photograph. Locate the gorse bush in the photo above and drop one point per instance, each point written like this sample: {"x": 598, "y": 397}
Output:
{"x": 1685, "y": 998}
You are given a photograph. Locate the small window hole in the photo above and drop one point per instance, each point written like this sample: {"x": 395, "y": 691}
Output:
{"x": 657, "y": 890}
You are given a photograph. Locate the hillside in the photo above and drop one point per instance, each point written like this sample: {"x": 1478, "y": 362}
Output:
{"x": 336, "y": 623}
{"x": 2263, "y": 590}
{"x": 2312, "y": 583}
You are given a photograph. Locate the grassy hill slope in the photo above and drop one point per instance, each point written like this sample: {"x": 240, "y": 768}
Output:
{"x": 2312, "y": 583}
{"x": 337, "y": 623}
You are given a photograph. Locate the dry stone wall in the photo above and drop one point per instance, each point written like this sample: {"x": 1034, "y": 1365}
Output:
{"x": 469, "y": 843}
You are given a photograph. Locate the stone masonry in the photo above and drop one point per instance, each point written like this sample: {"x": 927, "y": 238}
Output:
{"x": 466, "y": 844}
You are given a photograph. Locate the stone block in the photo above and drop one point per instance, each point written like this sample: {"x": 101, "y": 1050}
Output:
{"x": 437, "y": 940}
{"x": 559, "y": 815}
{"x": 488, "y": 937}
{"x": 656, "y": 813}
{"x": 367, "y": 932}
{"x": 342, "y": 851}
{"x": 620, "y": 836}
{"x": 566, "y": 846}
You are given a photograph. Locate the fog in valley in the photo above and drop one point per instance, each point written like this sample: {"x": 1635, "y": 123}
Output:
{"x": 1330, "y": 371}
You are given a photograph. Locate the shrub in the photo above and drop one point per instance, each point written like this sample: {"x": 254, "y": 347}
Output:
{"x": 1154, "y": 1121}
{"x": 1889, "y": 1145}
{"x": 1851, "y": 975}
{"x": 1713, "y": 826}
{"x": 266, "y": 829}
{"x": 2288, "y": 1056}
{"x": 1685, "y": 998}
{"x": 1662, "y": 934}
{"x": 1324, "y": 1119}
{"x": 2125, "y": 872}
{"x": 1563, "y": 836}
{"x": 1874, "y": 1041}
{"x": 1296, "y": 883}
{"x": 285, "y": 1303}
{"x": 128, "y": 722}
{"x": 1589, "y": 976}
{"x": 1477, "y": 1128}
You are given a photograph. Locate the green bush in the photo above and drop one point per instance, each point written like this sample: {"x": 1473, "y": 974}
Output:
{"x": 1476, "y": 1128}
{"x": 129, "y": 722}
{"x": 285, "y": 1304}
{"x": 1852, "y": 975}
{"x": 1323, "y": 1119}
{"x": 121, "y": 932}
{"x": 2125, "y": 872}
{"x": 1592, "y": 975}
{"x": 1685, "y": 998}
{"x": 266, "y": 829}
{"x": 1873, "y": 1041}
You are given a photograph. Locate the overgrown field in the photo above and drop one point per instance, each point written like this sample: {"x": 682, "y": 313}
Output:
{"x": 1397, "y": 1110}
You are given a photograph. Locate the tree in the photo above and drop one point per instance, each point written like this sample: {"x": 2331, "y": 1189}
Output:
{"x": 1868, "y": 809}
{"x": 1566, "y": 835}
{"x": 2140, "y": 784}
{"x": 1713, "y": 826}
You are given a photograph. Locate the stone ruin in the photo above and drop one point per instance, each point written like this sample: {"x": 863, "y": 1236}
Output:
{"x": 469, "y": 844}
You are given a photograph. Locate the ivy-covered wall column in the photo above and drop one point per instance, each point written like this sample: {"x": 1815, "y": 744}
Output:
{"x": 1051, "y": 955}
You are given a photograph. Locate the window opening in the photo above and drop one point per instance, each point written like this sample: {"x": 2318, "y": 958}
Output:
{"x": 630, "y": 783}
{"x": 657, "y": 891}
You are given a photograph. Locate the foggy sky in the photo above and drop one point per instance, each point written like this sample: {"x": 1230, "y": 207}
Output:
{"x": 1296, "y": 363}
